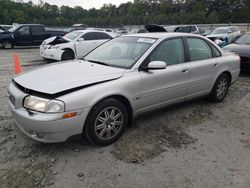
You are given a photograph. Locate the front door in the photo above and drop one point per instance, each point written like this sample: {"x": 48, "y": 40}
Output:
{"x": 23, "y": 36}
{"x": 161, "y": 87}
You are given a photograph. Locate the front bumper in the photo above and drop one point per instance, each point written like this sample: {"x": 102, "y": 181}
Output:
{"x": 43, "y": 127}
{"x": 53, "y": 54}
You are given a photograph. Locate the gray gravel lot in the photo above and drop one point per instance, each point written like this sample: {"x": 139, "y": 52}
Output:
{"x": 195, "y": 144}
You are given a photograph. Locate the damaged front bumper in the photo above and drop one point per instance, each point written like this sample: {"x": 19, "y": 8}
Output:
{"x": 47, "y": 53}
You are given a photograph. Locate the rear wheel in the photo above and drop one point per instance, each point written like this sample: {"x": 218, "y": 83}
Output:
{"x": 220, "y": 88}
{"x": 7, "y": 45}
{"x": 68, "y": 55}
{"x": 106, "y": 122}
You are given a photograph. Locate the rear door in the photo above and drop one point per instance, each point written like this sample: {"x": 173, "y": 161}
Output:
{"x": 160, "y": 87}
{"x": 38, "y": 34}
{"x": 23, "y": 36}
{"x": 90, "y": 41}
{"x": 203, "y": 66}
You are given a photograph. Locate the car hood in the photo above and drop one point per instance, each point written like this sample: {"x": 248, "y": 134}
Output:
{"x": 55, "y": 40}
{"x": 216, "y": 36}
{"x": 241, "y": 49}
{"x": 154, "y": 28}
{"x": 53, "y": 79}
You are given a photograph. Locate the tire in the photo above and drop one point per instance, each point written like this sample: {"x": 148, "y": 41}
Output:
{"x": 7, "y": 45}
{"x": 68, "y": 55}
{"x": 106, "y": 122}
{"x": 220, "y": 88}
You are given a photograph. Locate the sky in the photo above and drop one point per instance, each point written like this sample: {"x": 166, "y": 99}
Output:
{"x": 86, "y": 4}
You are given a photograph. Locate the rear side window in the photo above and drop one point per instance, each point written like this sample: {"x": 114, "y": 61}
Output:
{"x": 185, "y": 29}
{"x": 193, "y": 28}
{"x": 96, "y": 36}
{"x": 199, "y": 49}
{"x": 170, "y": 51}
{"x": 37, "y": 29}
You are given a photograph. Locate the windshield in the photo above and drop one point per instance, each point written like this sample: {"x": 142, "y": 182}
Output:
{"x": 1, "y": 29}
{"x": 14, "y": 28}
{"x": 244, "y": 39}
{"x": 219, "y": 31}
{"x": 73, "y": 35}
{"x": 121, "y": 52}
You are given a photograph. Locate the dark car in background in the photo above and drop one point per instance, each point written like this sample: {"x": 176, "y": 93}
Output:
{"x": 190, "y": 29}
{"x": 241, "y": 46}
{"x": 25, "y": 35}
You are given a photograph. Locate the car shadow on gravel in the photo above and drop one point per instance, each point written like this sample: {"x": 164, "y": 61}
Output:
{"x": 161, "y": 130}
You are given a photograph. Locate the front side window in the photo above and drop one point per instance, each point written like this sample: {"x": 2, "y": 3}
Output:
{"x": 170, "y": 51}
{"x": 199, "y": 49}
{"x": 121, "y": 52}
{"x": 24, "y": 31}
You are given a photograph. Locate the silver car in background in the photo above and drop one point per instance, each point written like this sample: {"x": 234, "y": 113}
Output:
{"x": 228, "y": 34}
{"x": 99, "y": 96}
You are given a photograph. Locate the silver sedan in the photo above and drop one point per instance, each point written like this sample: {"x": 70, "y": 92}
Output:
{"x": 99, "y": 96}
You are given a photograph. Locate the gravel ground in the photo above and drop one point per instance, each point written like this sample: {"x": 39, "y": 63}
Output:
{"x": 195, "y": 144}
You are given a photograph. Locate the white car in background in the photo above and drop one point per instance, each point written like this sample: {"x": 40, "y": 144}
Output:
{"x": 73, "y": 45}
{"x": 228, "y": 34}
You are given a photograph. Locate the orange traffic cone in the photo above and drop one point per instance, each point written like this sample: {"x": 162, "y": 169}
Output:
{"x": 17, "y": 66}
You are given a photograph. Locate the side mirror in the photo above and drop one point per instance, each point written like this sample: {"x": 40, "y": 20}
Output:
{"x": 229, "y": 32}
{"x": 156, "y": 65}
{"x": 80, "y": 39}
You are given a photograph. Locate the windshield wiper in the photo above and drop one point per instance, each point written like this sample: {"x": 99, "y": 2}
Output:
{"x": 97, "y": 62}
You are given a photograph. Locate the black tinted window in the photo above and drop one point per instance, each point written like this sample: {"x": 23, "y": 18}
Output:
{"x": 170, "y": 51}
{"x": 24, "y": 31}
{"x": 193, "y": 28}
{"x": 185, "y": 29}
{"x": 199, "y": 49}
{"x": 96, "y": 36}
{"x": 37, "y": 29}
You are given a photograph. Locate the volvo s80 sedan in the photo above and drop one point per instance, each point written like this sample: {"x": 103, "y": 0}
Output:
{"x": 99, "y": 96}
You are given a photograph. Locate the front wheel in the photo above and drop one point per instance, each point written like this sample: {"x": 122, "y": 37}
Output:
{"x": 220, "y": 88}
{"x": 68, "y": 55}
{"x": 106, "y": 122}
{"x": 7, "y": 45}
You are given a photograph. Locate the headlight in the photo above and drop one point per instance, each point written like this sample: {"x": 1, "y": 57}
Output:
{"x": 43, "y": 105}
{"x": 54, "y": 47}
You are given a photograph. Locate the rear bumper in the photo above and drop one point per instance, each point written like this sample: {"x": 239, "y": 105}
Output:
{"x": 235, "y": 75}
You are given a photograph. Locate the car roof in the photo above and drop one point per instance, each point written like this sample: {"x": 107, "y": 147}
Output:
{"x": 89, "y": 30}
{"x": 224, "y": 27}
{"x": 29, "y": 25}
{"x": 161, "y": 35}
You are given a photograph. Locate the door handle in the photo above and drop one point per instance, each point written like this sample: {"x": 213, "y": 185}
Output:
{"x": 216, "y": 65}
{"x": 185, "y": 70}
